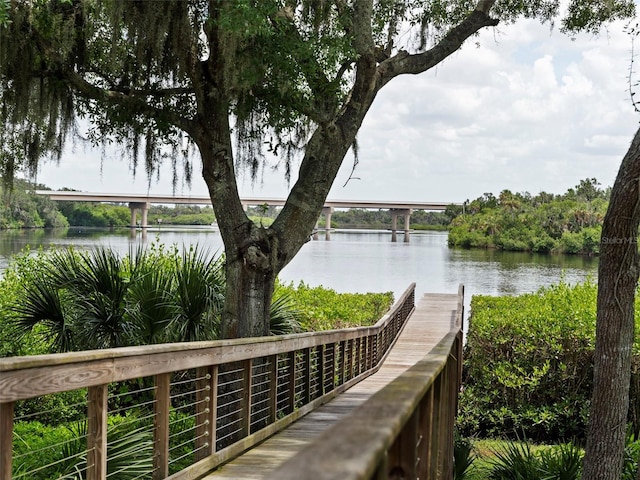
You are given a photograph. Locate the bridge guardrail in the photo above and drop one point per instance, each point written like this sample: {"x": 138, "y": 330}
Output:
{"x": 405, "y": 430}
{"x": 225, "y": 396}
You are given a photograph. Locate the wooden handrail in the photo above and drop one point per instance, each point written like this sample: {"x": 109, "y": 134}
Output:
{"x": 413, "y": 439}
{"x": 297, "y": 373}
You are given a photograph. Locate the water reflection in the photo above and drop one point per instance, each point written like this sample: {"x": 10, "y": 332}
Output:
{"x": 496, "y": 272}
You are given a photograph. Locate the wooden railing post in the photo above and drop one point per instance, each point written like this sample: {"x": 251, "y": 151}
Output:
{"x": 292, "y": 381}
{"x": 161, "y": 426}
{"x": 206, "y": 403}
{"x": 425, "y": 433}
{"x": 306, "y": 394}
{"x": 247, "y": 381}
{"x": 453, "y": 384}
{"x": 447, "y": 416}
{"x": 97, "y": 433}
{"x": 213, "y": 430}
{"x": 343, "y": 362}
{"x": 350, "y": 374}
{"x": 321, "y": 359}
{"x": 273, "y": 388}
{"x": 6, "y": 439}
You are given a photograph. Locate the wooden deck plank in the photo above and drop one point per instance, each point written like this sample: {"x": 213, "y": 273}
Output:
{"x": 432, "y": 319}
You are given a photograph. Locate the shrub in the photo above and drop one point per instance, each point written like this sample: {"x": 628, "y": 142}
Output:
{"x": 529, "y": 364}
{"x": 75, "y": 300}
{"x": 95, "y": 215}
{"x": 543, "y": 244}
{"x": 325, "y": 309}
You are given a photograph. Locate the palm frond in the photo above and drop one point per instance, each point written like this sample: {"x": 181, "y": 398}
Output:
{"x": 150, "y": 306}
{"x": 130, "y": 454}
{"x": 40, "y": 304}
{"x": 285, "y": 314}
{"x": 198, "y": 296}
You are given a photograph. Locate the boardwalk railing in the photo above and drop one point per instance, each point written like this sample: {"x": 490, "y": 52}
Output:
{"x": 188, "y": 407}
{"x": 405, "y": 431}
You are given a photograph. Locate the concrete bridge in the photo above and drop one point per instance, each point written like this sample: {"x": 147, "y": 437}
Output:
{"x": 142, "y": 202}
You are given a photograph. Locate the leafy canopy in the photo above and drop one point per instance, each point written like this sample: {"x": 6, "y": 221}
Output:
{"x": 142, "y": 71}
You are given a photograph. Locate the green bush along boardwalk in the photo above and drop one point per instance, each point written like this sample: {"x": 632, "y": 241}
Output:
{"x": 529, "y": 365}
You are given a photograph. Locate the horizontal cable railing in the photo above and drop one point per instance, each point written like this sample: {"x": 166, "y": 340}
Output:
{"x": 176, "y": 410}
{"x": 412, "y": 440}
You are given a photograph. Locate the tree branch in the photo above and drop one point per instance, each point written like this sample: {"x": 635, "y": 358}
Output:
{"x": 405, "y": 63}
{"x": 133, "y": 102}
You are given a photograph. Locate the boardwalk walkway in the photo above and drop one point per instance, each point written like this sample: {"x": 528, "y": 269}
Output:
{"x": 433, "y": 319}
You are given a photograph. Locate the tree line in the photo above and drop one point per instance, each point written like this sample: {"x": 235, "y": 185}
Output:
{"x": 567, "y": 223}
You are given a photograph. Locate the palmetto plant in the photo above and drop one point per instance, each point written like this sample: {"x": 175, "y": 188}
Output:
{"x": 518, "y": 461}
{"x": 199, "y": 296}
{"x": 284, "y": 313}
{"x": 463, "y": 456}
{"x": 80, "y": 300}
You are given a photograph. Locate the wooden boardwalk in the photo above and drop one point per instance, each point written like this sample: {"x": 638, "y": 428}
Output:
{"x": 432, "y": 319}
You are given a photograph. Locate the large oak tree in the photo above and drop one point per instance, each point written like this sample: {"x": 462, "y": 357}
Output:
{"x": 233, "y": 80}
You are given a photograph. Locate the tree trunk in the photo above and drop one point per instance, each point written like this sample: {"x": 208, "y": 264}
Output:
{"x": 251, "y": 272}
{"x": 251, "y": 251}
{"x": 617, "y": 280}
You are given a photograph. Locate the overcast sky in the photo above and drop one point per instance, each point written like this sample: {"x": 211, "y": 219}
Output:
{"x": 524, "y": 109}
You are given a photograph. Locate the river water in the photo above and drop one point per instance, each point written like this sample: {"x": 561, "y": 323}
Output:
{"x": 353, "y": 261}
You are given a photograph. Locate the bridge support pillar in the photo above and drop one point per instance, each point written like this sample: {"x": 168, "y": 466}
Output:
{"x": 144, "y": 210}
{"x": 395, "y": 213}
{"x": 327, "y": 226}
{"x": 327, "y": 211}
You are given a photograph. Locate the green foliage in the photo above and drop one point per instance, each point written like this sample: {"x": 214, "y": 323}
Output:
{"x": 631, "y": 456}
{"x": 285, "y": 313}
{"x": 24, "y": 267}
{"x": 529, "y": 364}
{"x": 95, "y": 214}
{"x": 569, "y": 223}
{"x": 325, "y": 309}
{"x": 524, "y": 460}
{"x": 381, "y": 219}
{"x": 180, "y": 215}
{"x": 67, "y": 300}
{"x": 55, "y": 408}
{"x": 63, "y": 448}
{"x": 21, "y": 209}
{"x": 463, "y": 457}
{"x": 75, "y": 300}
{"x": 181, "y": 428}
{"x": 518, "y": 461}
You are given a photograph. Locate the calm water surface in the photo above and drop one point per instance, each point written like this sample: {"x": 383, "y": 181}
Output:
{"x": 354, "y": 261}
